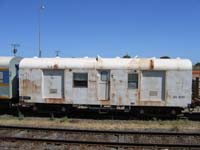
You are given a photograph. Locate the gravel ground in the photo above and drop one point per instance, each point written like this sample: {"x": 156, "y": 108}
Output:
{"x": 158, "y": 125}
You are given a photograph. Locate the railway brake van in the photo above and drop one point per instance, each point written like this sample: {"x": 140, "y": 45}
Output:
{"x": 106, "y": 83}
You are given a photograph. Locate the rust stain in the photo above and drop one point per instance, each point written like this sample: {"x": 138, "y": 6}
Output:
{"x": 113, "y": 95}
{"x": 131, "y": 64}
{"x": 30, "y": 86}
{"x": 120, "y": 100}
{"x": 138, "y": 99}
{"x": 26, "y": 84}
{"x": 151, "y": 103}
{"x": 55, "y": 66}
{"x": 105, "y": 102}
{"x": 151, "y": 64}
{"x": 139, "y": 87}
{"x": 55, "y": 100}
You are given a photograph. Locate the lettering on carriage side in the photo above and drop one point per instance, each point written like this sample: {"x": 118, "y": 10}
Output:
{"x": 179, "y": 97}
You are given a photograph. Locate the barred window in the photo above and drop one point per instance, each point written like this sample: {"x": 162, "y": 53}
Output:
{"x": 133, "y": 81}
{"x": 80, "y": 79}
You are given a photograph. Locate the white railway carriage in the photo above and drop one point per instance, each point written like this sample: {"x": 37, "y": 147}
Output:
{"x": 115, "y": 82}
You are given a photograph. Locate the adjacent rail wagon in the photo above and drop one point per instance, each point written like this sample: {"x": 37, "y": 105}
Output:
{"x": 106, "y": 82}
{"x": 196, "y": 87}
{"x": 9, "y": 78}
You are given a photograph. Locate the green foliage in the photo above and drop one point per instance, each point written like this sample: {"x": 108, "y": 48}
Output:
{"x": 64, "y": 119}
{"x": 20, "y": 115}
{"x": 127, "y": 56}
{"x": 165, "y": 57}
{"x": 197, "y": 64}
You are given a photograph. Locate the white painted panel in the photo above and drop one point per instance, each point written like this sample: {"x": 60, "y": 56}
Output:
{"x": 153, "y": 86}
{"x": 103, "y": 91}
{"x": 53, "y": 84}
{"x": 104, "y": 85}
{"x": 178, "y": 88}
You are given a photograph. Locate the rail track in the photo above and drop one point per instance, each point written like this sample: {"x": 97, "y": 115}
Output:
{"x": 14, "y": 137}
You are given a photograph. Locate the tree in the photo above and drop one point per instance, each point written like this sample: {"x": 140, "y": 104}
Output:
{"x": 127, "y": 56}
{"x": 197, "y": 64}
{"x": 165, "y": 57}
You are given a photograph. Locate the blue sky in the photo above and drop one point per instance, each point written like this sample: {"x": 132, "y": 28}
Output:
{"x": 108, "y": 28}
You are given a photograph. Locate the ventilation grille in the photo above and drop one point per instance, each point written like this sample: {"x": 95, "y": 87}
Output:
{"x": 153, "y": 93}
{"x": 52, "y": 91}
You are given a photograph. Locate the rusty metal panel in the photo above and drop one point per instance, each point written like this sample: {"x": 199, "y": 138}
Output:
{"x": 178, "y": 88}
{"x": 52, "y": 82}
{"x": 119, "y": 88}
{"x": 30, "y": 85}
{"x": 81, "y": 95}
{"x": 103, "y": 85}
{"x": 152, "y": 86}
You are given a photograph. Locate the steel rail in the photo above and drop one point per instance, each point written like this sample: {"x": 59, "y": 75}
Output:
{"x": 4, "y": 138}
{"x": 173, "y": 133}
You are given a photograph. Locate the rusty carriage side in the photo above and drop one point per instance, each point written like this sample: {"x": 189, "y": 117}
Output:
{"x": 105, "y": 83}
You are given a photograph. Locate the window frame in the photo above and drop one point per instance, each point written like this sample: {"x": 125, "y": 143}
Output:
{"x": 133, "y": 81}
{"x": 102, "y": 73}
{"x": 4, "y": 77}
{"x": 75, "y": 81}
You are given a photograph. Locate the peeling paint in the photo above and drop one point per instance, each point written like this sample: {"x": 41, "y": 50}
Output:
{"x": 151, "y": 64}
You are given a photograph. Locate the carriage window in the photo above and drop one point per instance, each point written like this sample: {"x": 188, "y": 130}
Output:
{"x": 4, "y": 77}
{"x": 132, "y": 81}
{"x": 104, "y": 76}
{"x": 80, "y": 79}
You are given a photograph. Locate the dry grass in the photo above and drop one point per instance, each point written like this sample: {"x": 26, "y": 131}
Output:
{"x": 102, "y": 124}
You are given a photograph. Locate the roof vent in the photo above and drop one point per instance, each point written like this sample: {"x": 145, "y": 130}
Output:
{"x": 98, "y": 58}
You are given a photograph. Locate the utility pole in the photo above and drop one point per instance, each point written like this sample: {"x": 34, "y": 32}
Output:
{"x": 15, "y": 45}
{"x": 57, "y": 53}
{"x": 39, "y": 31}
